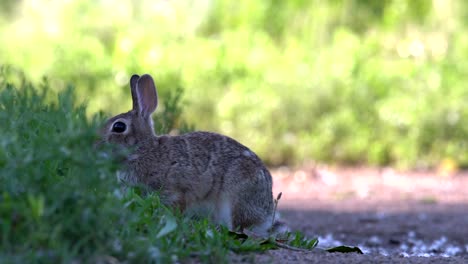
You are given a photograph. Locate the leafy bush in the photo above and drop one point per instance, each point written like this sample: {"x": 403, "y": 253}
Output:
{"x": 376, "y": 82}
{"x": 59, "y": 201}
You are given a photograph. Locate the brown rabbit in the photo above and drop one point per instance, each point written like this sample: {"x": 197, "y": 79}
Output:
{"x": 199, "y": 172}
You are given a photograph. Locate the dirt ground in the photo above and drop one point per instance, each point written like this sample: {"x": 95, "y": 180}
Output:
{"x": 394, "y": 217}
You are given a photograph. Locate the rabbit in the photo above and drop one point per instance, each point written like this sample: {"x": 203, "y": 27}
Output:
{"x": 200, "y": 173}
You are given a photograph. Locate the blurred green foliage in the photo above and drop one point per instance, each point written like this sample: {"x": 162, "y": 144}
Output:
{"x": 348, "y": 81}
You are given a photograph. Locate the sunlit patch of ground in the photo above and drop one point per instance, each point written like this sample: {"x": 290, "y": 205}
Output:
{"x": 370, "y": 186}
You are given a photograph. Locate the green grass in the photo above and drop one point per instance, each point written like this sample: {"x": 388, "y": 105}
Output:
{"x": 60, "y": 201}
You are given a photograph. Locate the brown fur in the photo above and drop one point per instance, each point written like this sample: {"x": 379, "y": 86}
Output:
{"x": 199, "y": 169}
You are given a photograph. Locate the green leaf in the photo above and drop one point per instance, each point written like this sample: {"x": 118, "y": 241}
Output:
{"x": 170, "y": 226}
{"x": 37, "y": 206}
{"x": 237, "y": 235}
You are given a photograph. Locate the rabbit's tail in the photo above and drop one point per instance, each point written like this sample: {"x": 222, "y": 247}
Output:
{"x": 278, "y": 227}
{"x": 270, "y": 228}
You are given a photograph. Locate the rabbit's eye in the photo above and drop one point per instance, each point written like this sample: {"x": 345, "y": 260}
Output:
{"x": 119, "y": 127}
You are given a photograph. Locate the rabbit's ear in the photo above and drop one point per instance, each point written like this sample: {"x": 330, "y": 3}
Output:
{"x": 147, "y": 96}
{"x": 133, "y": 84}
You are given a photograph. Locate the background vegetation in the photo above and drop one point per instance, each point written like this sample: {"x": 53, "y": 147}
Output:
{"x": 346, "y": 81}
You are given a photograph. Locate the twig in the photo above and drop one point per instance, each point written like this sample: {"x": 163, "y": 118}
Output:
{"x": 274, "y": 209}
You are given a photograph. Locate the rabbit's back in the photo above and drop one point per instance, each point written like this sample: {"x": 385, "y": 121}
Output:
{"x": 201, "y": 159}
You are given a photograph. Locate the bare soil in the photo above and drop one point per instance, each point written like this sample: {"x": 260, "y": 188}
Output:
{"x": 394, "y": 217}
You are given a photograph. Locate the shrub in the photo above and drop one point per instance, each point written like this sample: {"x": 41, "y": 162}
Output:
{"x": 59, "y": 199}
